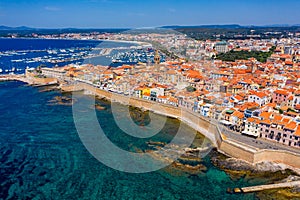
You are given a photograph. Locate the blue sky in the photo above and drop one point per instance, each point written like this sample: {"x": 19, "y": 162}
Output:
{"x": 146, "y": 13}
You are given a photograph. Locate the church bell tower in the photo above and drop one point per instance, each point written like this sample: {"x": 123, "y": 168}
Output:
{"x": 156, "y": 58}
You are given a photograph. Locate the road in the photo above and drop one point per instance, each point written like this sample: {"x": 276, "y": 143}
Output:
{"x": 257, "y": 143}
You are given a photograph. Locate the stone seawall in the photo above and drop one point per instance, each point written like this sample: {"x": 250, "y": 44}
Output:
{"x": 285, "y": 157}
{"x": 210, "y": 130}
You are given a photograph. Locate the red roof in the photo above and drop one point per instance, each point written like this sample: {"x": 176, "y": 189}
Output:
{"x": 282, "y": 92}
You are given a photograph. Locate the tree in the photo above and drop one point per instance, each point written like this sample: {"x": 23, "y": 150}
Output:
{"x": 190, "y": 89}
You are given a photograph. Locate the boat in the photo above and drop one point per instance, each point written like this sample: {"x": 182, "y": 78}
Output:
{"x": 1, "y": 70}
{"x": 17, "y": 60}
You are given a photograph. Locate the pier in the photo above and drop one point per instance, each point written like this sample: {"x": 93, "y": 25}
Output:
{"x": 13, "y": 77}
{"x": 30, "y": 80}
{"x": 267, "y": 187}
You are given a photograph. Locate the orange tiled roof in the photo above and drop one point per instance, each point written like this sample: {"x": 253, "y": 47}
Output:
{"x": 265, "y": 115}
{"x": 278, "y": 118}
{"x": 238, "y": 114}
{"x": 238, "y": 97}
{"x": 266, "y": 121}
{"x": 282, "y": 92}
{"x": 291, "y": 126}
{"x": 297, "y": 133}
{"x": 162, "y": 97}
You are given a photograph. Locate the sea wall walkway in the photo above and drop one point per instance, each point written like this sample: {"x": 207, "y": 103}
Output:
{"x": 224, "y": 144}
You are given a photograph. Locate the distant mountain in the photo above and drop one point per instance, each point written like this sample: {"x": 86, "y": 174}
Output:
{"x": 229, "y": 26}
{"x": 19, "y": 28}
{"x": 225, "y": 26}
{"x": 25, "y": 28}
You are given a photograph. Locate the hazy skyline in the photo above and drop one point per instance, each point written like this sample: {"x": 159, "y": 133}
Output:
{"x": 136, "y": 14}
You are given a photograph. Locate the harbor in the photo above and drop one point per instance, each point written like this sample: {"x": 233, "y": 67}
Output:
{"x": 113, "y": 53}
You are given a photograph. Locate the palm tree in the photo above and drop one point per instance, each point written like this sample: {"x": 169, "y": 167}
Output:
{"x": 39, "y": 68}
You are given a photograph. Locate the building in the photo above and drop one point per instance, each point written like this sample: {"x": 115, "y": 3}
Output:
{"x": 280, "y": 96}
{"x": 221, "y": 47}
{"x": 54, "y": 72}
{"x": 258, "y": 97}
{"x": 296, "y": 99}
{"x": 252, "y": 127}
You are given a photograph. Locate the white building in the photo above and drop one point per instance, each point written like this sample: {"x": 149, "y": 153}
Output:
{"x": 259, "y": 97}
{"x": 252, "y": 127}
{"x": 53, "y": 72}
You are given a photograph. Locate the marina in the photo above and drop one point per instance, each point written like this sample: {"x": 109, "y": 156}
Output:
{"x": 15, "y": 61}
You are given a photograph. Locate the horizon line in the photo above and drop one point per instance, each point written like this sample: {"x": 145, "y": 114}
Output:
{"x": 179, "y": 25}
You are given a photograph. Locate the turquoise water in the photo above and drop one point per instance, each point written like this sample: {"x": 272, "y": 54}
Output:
{"x": 43, "y": 157}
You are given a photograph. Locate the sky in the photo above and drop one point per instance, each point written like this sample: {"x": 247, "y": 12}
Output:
{"x": 146, "y": 13}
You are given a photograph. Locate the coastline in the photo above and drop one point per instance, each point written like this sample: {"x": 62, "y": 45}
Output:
{"x": 74, "y": 39}
{"x": 224, "y": 145}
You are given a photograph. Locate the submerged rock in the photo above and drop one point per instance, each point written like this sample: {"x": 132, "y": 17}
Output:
{"x": 61, "y": 100}
{"x": 237, "y": 168}
{"x": 99, "y": 107}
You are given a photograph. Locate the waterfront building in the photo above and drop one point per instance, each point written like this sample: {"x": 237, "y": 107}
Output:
{"x": 59, "y": 73}
{"x": 252, "y": 127}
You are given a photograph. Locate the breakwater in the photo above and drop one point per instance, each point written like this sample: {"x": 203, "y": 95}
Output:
{"x": 225, "y": 145}
{"x": 267, "y": 187}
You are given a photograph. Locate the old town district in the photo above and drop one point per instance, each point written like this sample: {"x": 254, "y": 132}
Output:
{"x": 260, "y": 100}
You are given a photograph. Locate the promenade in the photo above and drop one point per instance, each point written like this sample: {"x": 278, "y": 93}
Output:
{"x": 230, "y": 143}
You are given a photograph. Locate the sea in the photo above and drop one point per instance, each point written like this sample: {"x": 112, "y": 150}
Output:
{"x": 42, "y": 156}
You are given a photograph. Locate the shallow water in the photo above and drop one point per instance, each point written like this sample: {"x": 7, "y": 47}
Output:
{"x": 43, "y": 157}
